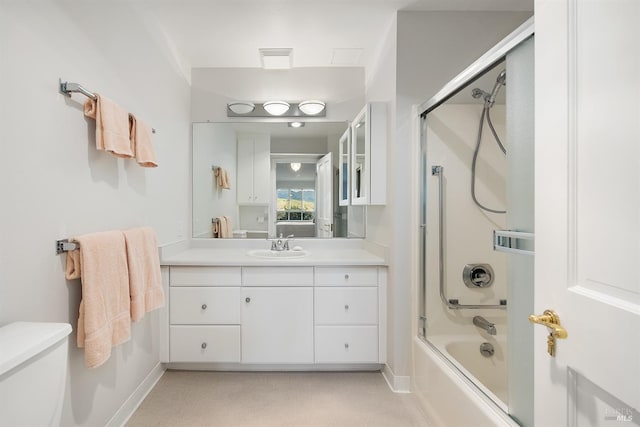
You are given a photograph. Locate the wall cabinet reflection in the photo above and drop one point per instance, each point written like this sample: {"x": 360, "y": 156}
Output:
{"x": 344, "y": 162}
{"x": 368, "y": 155}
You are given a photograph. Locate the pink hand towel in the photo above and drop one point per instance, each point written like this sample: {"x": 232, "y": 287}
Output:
{"x": 222, "y": 178}
{"x": 145, "y": 280}
{"x": 140, "y": 134}
{"x": 112, "y": 126}
{"x": 104, "y": 319}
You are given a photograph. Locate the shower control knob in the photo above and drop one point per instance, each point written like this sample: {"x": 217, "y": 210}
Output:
{"x": 204, "y": 306}
{"x": 204, "y": 345}
{"x": 247, "y": 300}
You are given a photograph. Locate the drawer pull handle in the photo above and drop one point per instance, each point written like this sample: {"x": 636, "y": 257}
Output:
{"x": 204, "y": 345}
{"x": 247, "y": 300}
{"x": 346, "y": 346}
{"x": 204, "y": 306}
{"x": 346, "y": 277}
{"x": 346, "y": 307}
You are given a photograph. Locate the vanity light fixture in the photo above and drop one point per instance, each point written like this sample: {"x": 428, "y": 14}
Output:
{"x": 295, "y": 166}
{"x": 296, "y": 124}
{"x": 294, "y": 110}
{"x": 276, "y": 108}
{"x": 312, "y": 107}
{"x": 241, "y": 107}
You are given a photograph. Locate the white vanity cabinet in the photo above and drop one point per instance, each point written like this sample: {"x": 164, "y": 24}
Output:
{"x": 285, "y": 315}
{"x": 277, "y": 315}
{"x": 254, "y": 169}
{"x": 346, "y": 315}
{"x": 204, "y": 314}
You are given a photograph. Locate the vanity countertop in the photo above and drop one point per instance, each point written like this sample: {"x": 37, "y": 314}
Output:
{"x": 318, "y": 256}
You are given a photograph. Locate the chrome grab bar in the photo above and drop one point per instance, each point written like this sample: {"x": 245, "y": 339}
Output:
{"x": 451, "y": 303}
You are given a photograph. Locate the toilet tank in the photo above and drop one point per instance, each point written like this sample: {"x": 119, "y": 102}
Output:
{"x": 33, "y": 372}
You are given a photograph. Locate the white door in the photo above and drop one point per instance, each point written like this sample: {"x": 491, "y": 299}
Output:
{"x": 324, "y": 197}
{"x": 262, "y": 169}
{"x": 245, "y": 169}
{"x": 588, "y": 211}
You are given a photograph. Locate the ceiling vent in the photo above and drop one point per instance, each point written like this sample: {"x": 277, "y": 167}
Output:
{"x": 276, "y": 59}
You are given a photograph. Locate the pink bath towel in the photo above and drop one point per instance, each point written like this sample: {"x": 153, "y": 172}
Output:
{"x": 104, "y": 317}
{"x": 145, "y": 280}
{"x": 112, "y": 126}
{"x": 140, "y": 135}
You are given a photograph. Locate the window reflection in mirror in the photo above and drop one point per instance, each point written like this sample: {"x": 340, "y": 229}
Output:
{"x": 215, "y": 145}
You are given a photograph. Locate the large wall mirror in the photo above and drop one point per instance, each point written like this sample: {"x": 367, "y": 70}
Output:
{"x": 259, "y": 180}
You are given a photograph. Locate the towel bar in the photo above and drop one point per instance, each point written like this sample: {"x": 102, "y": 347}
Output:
{"x": 65, "y": 245}
{"x": 66, "y": 88}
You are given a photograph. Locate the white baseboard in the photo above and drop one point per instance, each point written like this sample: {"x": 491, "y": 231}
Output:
{"x": 397, "y": 383}
{"x": 127, "y": 409}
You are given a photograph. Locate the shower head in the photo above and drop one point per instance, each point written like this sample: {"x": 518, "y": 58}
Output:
{"x": 479, "y": 93}
{"x": 502, "y": 78}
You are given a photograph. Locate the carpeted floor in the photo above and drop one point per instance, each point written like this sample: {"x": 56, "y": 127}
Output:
{"x": 265, "y": 399}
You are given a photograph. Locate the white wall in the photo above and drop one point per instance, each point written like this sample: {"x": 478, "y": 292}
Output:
{"x": 55, "y": 184}
{"x": 341, "y": 88}
{"x": 422, "y": 52}
{"x": 214, "y": 144}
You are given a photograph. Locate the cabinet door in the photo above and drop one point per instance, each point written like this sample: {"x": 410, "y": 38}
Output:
{"x": 277, "y": 325}
{"x": 245, "y": 169}
{"x": 360, "y": 159}
{"x": 262, "y": 169}
{"x": 344, "y": 162}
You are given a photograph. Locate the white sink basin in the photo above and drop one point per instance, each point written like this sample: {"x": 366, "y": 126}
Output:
{"x": 266, "y": 253}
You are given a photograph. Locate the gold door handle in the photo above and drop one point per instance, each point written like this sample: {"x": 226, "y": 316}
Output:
{"x": 551, "y": 320}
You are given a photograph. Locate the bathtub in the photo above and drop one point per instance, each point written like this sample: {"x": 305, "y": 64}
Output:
{"x": 443, "y": 386}
{"x": 490, "y": 372}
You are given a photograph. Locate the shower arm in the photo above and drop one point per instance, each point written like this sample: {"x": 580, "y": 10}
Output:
{"x": 451, "y": 303}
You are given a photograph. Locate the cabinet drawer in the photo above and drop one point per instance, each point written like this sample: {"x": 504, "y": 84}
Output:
{"x": 205, "y": 276}
{"x": 346, "y": 276}
{"x": 205, "y": 343}
{"x": 346, "y": 305}
{"x": 346, "y": 344}
{"x": 201, "y": 306}
{"x": 277, "y": 276}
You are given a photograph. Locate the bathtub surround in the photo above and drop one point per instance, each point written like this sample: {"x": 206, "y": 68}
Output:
{"x": 406, "y": 77}
{"x": 56, "y": 184}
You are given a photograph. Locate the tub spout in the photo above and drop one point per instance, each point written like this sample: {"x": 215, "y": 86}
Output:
{"x": 483, "y": 323}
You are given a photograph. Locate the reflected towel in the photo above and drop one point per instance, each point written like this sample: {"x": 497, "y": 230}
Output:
{"x": 104, "y": 318}
{"x": 140, "y": 134}
{"x": 226, "y": 231}
{"x": 112, "y": 126}
{"x": 222, "y": 178}
{"x": 145, "y": 280}
{"x": 221, "y": 227}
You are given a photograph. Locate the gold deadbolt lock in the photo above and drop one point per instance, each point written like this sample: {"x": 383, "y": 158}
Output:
{"x": 551, "y": 320}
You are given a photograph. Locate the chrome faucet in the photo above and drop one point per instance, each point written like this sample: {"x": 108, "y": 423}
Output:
{"x": 483, "y": 323}
{"x": 281, "y": 243}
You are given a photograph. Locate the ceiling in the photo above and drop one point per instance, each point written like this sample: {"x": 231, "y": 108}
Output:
{"x": 228, "y": 33}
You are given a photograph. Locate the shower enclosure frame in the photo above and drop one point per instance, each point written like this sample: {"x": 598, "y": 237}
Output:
{"x": 492, "y": 57}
